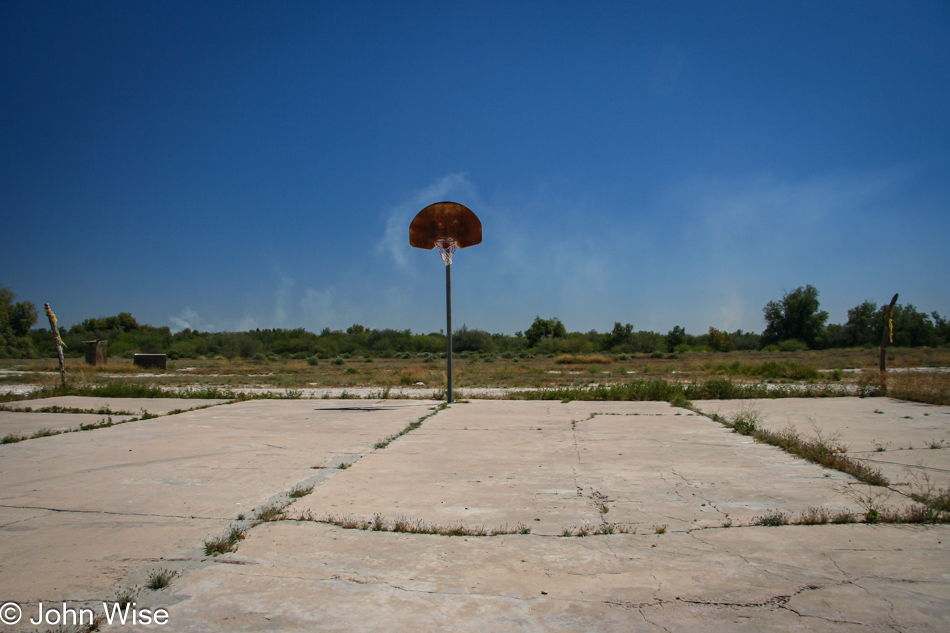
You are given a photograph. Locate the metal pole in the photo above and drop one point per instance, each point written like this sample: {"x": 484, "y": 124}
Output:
{"x": 448, "y": 323}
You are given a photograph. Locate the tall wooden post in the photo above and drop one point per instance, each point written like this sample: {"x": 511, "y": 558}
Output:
{"x": 59, "y": 343}
{"x": 888, "y": 334}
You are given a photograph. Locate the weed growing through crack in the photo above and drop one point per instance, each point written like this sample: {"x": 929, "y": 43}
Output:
{"x": 403, "y": 525}
{"x": 601, "y": 501}
{"x": 928, "y": 494}
{"x": 297, "y": 493}
{"x": 226, "y": 543}
{"x": 660, "y": 529}
{"x": 772, "y": 518}
{"x": 160, "y": 578}
{"x": 932, "y": 505}
{"x": 12, "y": 438}
{"x": 412, "y": 426}
{"x": 825, "y": 451}
{"x": 822, "y": 516}
{"x": 603, "y": 528}
{"x": 125, "y": 597}
{"x": 272, "y": 512}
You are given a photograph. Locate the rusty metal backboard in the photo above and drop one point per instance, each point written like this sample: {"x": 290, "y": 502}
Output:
{"x": 445, "y": 220}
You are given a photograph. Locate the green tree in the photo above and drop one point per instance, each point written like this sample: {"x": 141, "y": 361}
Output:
{"x": 466, "y": 340}
{"x": 941, "y": 328}
{"x": 22, "y": 318}
{"x": 16, "y": 319}
{"x": 676, "y": 336}
{"x": 544, "y": 328}
{"x": 620, "y": 336}
{"x": 795, "y": 317}
{"x": 912, "y": 328}
{"x": 720, "y": 341}
{"x": 864, "y": 325}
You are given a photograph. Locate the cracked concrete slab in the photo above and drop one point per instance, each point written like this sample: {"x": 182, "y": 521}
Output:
{"x": 155, "y": 406}
{"x": 907, "y": 441}
{"x": 310, "y": 576}
{"x": 70, "y": 504}
{"x": 22, "y": 423}
{"x": 554, "y": 467}
{"x": 668, "y": 480}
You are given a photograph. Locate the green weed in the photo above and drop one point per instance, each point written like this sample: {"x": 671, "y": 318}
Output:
{"x": 272, "y": 512}
{"x": 297, "y": 493}
{"x": 226, "y": 543}
{"x": 772, "y": 518}
{"x": 160, "y": 578}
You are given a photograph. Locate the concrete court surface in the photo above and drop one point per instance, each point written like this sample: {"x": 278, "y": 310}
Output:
{"x": 672, "y": 481}
{"x": 22, "y": 423}
{"x": 907, "y": 441}
{"x": 79, "y": 512}
{"x": 23, "y": 418}
{"x": 136, "y": 406}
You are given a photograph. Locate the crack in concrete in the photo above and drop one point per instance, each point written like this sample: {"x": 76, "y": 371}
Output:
{"x": 854, "y": 581}
{"x": 114, "y": 513}
{"x": 707, "y": 502}
{"x": 778, "y": 602}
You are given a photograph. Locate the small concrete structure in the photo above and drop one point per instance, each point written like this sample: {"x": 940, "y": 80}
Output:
{"x": 150, "y": 361}
{"x": 97, "y": 352}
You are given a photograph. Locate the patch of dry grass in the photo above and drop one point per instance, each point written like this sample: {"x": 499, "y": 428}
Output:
{"x": 920, "y": 386}
{"x": 581, "y": 359}
{"x": 538, "y": 370}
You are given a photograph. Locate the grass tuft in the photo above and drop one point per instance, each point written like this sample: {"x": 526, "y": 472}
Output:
{"x": 272, "y": 512}
{"x": 772, "y": 518}
{"x": 297, "y": 493}
{"x": 160, "y": 578}
{"x": 226, "y": 543}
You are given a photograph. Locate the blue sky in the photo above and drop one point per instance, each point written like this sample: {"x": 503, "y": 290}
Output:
{"x": 232, "y": 165}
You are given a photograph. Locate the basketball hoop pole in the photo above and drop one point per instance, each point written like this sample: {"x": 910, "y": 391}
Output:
{"x": 446, "y": 226}
{"x": 448, "y": 324}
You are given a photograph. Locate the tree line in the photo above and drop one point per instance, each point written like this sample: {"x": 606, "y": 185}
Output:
{"x": 793, "y": 323}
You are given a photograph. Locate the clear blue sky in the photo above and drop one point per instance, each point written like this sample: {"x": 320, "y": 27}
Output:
{"x": 232, "y": 165}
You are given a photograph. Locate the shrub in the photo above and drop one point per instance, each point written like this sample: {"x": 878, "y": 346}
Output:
{"x": 792, "y": 345}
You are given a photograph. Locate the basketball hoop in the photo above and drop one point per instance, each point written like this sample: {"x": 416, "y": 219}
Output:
{"x": 446, "y": 226}
{"x": 447, "y": 248}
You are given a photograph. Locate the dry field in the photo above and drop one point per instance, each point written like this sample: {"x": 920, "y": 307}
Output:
{"x": 839, "y": 367}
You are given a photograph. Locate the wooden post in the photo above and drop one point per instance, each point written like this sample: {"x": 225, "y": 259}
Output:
{"x": 888, "y": 334}
{"x": 59, "y": 343}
